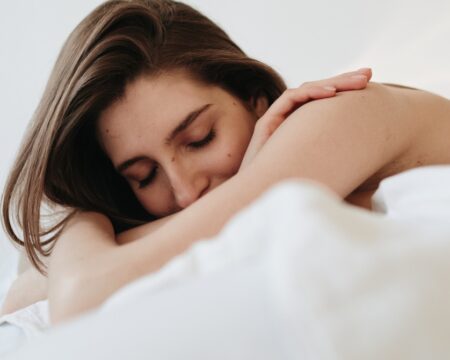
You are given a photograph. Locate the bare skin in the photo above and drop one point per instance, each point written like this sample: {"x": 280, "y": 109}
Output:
{"x": 30, "y": 287}
{"x": 20, "y": 294}
{"x": 383, "y": 130}
{"x": 422, "y": 143}
{"x": 431, "y": 148}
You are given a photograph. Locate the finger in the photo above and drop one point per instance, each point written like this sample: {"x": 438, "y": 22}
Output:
{"x": 353, "y": 82}
{"x": 291, "y": 99}
{"x": 342, "y": 83}
{"x": 364, "y": 71}
{"x": 346, "y": 81}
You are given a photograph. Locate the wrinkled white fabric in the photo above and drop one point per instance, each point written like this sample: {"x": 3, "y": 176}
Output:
{"x": 298, "y": 273}
{"x": 33, "y": 319}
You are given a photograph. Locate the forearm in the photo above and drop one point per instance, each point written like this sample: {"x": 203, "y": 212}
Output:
{"x": 139, "y": 232}
{"x": 101, "y": 275}
{"x": 80, "y": 289}
{"x": 313, "y": 144}
{"x": 110, "y": 270}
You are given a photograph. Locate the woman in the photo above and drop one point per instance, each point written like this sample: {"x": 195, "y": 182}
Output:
{"x": 149, "y": 118}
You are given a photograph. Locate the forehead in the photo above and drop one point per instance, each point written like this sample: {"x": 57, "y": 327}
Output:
{"x": 149, "y": 109}
{"x": 152, "y": 98}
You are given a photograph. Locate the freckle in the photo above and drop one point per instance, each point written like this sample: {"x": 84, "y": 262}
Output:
{"x": 229, "y": 155}
{"x": 107, "y": 130}
{"x": 173, "y": 159}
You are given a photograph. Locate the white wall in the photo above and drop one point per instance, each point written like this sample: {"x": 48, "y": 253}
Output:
{"x": 404, "y": 41}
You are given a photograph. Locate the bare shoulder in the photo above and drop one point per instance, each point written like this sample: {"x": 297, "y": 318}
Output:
{"x": 420, "y": 99}
{"x": 343, "y": 141}
{"x": 85, "y": 234}
{"x": 428, "y": 115}
{"x": 412, "y": 122}
{"x": 420, "y": 120}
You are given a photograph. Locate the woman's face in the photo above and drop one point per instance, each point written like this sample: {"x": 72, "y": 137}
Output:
{"x": 174, "y": 139}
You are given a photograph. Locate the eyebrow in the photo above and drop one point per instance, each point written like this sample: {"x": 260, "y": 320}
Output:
{"x": 183, "y": 125}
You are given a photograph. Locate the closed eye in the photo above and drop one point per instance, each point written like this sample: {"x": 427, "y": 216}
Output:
{"x": 205, "y": 141}
{"x": 149, "y": 178}
{"x": 194, "y": 145}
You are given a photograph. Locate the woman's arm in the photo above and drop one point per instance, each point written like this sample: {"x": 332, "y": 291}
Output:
{"x": 266, "y": 126}
{"x": 338, "y": 142}
{"x": 29, "y": 287}
{"x": 288, "y": 102}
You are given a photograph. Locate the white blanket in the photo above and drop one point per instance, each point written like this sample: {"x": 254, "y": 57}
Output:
{"x": 298, "y": 274}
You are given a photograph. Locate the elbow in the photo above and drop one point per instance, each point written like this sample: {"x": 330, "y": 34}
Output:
{"x": 75, "y": 294}
{"x": 66, "y": 300}
{"x": 9, "y": 305}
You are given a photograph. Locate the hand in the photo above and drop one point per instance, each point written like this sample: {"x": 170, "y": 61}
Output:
{"x": 292, "y": 99}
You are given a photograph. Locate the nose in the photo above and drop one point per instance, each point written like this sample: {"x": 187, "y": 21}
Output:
{"x": 187, "y": 185}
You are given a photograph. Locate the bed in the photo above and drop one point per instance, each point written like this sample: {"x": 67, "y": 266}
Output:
{"x": 321, "y": 279}
{"x": 316, "y": 279}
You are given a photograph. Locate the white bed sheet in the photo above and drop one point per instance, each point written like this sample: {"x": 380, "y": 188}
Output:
{"x": 298, "y": 274}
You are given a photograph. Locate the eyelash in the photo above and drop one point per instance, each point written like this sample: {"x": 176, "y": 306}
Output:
{"x": 195, "y": 145}
{"x": 205, "y": 141}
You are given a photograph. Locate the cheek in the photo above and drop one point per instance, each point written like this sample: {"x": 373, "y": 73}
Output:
{"x": 230, "y": 151}
{"x": 156, "y": 201}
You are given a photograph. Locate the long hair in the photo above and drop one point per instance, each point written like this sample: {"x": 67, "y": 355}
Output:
{"x": 60, "y": 162}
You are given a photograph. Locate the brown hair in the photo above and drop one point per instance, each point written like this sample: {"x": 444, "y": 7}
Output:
{"x": 60, "y": 162}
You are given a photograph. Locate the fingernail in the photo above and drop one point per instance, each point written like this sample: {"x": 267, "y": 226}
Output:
{"x": 364, "y": 69}
{"x": 359, "y": 77}
{"x": 329, "y": 88}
